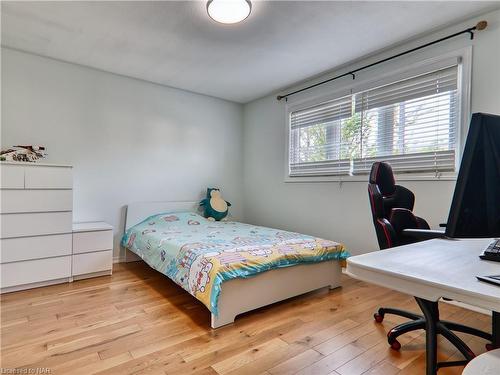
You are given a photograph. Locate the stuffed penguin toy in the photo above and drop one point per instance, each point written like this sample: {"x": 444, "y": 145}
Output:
{"x": 215, "y": 208}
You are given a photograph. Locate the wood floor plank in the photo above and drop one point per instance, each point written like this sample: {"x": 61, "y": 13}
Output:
{"x": 139, "y": 322}
{"x": 296, "y": 363}
{"x": 155, "y": 363}
{"x": 235, "y": 362}
{"x": 316, "y": 337}
{"x": 365, "y": 361}
{"x": 382, "y": 368}
{"x": 349, "y": 336}
{"x": 96, "y": 367}
{"x": 270, "y": 360}
{"x": 329, "y": 363}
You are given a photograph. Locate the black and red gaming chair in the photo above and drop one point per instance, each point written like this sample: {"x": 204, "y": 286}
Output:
{"x": 392, "y": 207}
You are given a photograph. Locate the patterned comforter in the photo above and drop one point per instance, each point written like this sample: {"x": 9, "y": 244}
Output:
{"x": 200, "y": 255}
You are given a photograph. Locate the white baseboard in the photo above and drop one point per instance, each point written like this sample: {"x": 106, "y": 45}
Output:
{"x": 126, "y": 258}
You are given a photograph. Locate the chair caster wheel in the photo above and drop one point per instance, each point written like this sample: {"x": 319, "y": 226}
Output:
{"x": 379, "y": 318}
{"x": 395, "y": 345}
{"x": 489, "y": 347}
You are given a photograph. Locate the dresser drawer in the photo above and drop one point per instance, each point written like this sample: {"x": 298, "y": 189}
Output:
{"x": 92, "y": 262}
{"x": 84, "y": 242}
{"x": 14, "y": 201}
{"x": 12, "y": 176}
{"x": 34, "y": 271}
{"x": 34, "y": 224}
{"x": 43, "y": 177}
{"x": 24, "y": 248}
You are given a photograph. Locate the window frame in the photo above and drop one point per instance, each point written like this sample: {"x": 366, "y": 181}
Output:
{"x": 464, "y": 59}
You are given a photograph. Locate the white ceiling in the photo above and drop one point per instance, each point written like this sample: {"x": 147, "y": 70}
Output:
{"x": 176, "y": 44}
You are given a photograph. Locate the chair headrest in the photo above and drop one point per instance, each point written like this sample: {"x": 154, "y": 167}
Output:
{"x": 382, "y": 176}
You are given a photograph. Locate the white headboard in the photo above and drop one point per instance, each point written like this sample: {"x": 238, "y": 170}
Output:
{"x": 137, "y": 212}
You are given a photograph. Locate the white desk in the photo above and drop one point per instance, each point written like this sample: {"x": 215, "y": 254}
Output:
{"x": 431, "y": 270}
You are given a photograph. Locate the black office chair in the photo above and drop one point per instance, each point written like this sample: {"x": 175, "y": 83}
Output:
{"x": 392, "y": 207}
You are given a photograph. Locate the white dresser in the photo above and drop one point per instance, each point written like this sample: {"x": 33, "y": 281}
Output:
{"x": 92, "y": 249}
{"x": 39, "y": 243}
{"x": 35, "y": 225}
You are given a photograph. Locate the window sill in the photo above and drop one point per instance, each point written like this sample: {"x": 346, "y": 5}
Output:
{"x": 364, "y": 178}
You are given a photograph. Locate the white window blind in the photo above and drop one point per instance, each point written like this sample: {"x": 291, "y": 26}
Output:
{"x": 315, "y": 139}
{"x": 411, "y": 123}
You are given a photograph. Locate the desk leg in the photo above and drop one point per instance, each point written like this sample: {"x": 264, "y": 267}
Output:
{"x": 431, "y": 313}
{"x": 495, "y": 329}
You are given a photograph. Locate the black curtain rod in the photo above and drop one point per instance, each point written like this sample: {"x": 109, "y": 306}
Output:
{"x": 479, "y": 26}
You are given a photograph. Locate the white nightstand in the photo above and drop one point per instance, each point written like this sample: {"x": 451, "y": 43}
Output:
{"x": 92, "y": 250}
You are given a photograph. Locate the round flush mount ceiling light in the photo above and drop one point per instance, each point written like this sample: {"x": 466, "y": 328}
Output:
{"x": 229, "y": 11}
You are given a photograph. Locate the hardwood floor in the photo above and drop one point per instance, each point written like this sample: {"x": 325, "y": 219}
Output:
{"x": 139, "y": 322}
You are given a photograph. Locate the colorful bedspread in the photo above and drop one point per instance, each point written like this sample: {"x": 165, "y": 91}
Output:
{"x": 199, "y": 254}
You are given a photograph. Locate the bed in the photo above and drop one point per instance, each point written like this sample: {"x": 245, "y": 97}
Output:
{"x": 230, "y": 267}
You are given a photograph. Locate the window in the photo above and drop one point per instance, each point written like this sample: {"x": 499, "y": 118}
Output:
{"x": 316, "y": 138}
{"x": 412, "y": 123}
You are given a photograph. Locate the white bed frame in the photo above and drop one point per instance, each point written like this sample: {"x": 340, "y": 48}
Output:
{"x": 242, "y": 295}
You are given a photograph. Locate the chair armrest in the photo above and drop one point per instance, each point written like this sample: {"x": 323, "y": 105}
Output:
{"x": 424, "y": 234}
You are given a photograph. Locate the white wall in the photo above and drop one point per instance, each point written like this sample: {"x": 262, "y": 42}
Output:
{"x": 341, "y": 211}
{"x": 131, "y": 140}
{"x": 128, "y": 140}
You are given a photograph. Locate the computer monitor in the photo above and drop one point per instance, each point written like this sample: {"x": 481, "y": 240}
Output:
{"x": 475, "y": 209}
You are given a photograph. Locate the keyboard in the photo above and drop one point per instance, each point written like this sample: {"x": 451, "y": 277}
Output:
{"x": 492, "y": 252}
